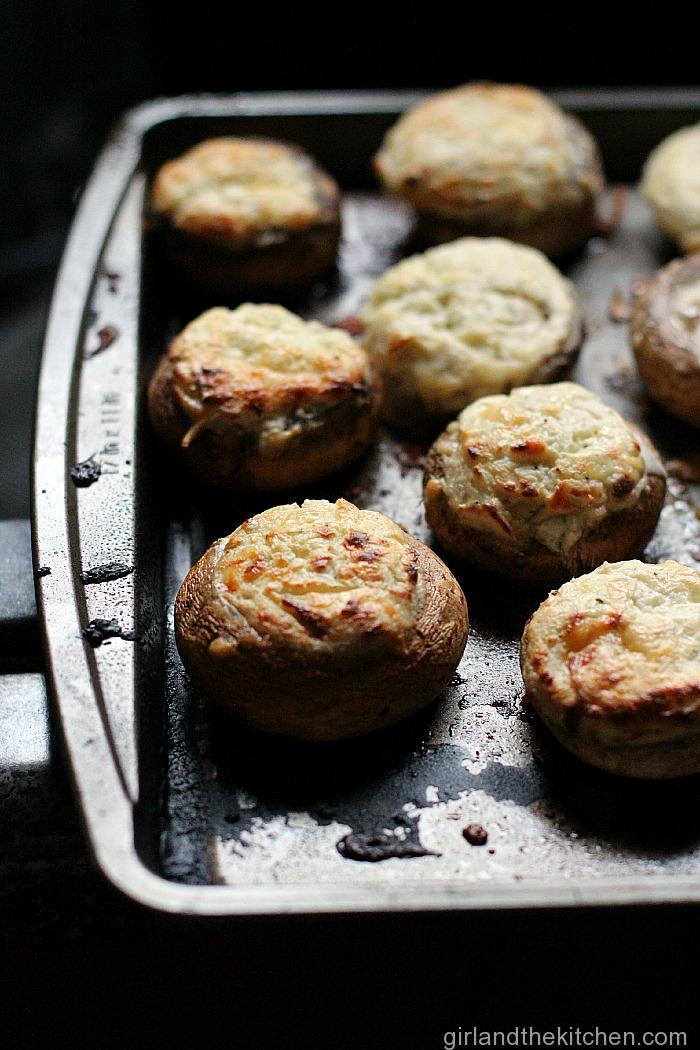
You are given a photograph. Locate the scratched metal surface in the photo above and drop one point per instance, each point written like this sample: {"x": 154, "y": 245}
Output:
{"x": 241, "y": 810}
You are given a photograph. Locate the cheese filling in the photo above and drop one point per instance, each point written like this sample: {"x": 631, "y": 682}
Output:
{"x": 466, "y": 319}
{"x": 327, "y": 571}
{"x": 230, "y": 189}
{"x": 260, "y": 367}
{"x": 545, "y": 462}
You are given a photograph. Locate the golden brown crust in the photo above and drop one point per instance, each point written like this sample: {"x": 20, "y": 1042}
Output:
{"x": 624, "y": 535}
{"x": 665, "y": 334}
{"x": 360, "y": 626}
{"x": 281, "y": 235}
{"x": 610, "y": 663}
{"x": 297, "y": 406}
{"x": 537, "y": 512}
{"x": 493, "y": 159}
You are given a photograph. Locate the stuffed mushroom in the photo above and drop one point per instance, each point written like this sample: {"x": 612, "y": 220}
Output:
{"x": 320, "y": 621}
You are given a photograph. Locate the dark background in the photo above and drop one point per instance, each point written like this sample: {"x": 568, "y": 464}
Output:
{"x": 75, "y": 959}
{"x": 70, "y": 68}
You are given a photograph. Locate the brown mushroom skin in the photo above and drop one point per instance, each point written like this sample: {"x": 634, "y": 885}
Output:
{"x": 232, "y": 460}
{"x": 283, "y": 262}
{"x": 620, "y": 535}
{"x": 313, "y": 694}
{"x": 581, "y": 735}
{"x": 666, "y": 345}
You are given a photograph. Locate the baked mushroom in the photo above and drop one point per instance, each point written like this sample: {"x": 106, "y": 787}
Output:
{"x": 474, "y": 317}
{"x": 495, "y": 159}
{"x": 671, "y": 184}
{"x": 665, "y": 332}
{"x": 542, "y": 484}
{"x": 611, "y": 663}
{"x": 238, "y": 215}
{"x": 256, "y": 398}
{"x": 320, "y": 621}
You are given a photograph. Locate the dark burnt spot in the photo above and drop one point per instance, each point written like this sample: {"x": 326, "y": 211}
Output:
{"x": 105, "y": 337}
{"x": 538, "y": 665}
{"x": 214, "y": 385}
{"x": 356, "y": 539}
{"x": 401, "y": 841}
{"x": 380, "y": 846}
{"x": 111, "y": 570}
{"x": 528, "y": 490}
{"x": 311, "y": 621}
{"x": 368, "y": 556}
{"x": 498, "y": 518}
{"x": 98, "y": 631}
{"x": 354, "y": 610}
{"x": 256, "y": 401}
{"x": 42, "y": 571}
{"x": 622, "y": 486}
{"x": 412, "y": 567}
{"x": 475, "y": 834}
{"x": 86, "y": 473}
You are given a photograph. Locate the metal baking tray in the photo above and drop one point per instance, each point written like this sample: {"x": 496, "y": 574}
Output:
{"x": 188, "y": 815}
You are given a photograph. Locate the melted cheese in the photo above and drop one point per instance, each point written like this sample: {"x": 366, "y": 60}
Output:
{"x": 469, "y": 318}
{"x": 624, "y": 637}
{"x": 231, "y": 189}
{"x": 259, "y": 362}
{"x": 325, "y": 572}
{"x": 550, "y": 461}
{"x": 463, "y": 149}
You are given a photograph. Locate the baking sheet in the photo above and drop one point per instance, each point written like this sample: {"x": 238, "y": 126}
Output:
{"x": 185, "y": 812}
{"x": 396, "y": 805}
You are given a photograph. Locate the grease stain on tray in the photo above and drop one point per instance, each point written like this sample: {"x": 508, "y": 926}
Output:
{"x": 86, "y": 473}
{"x": 111, "y": 570}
